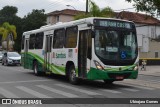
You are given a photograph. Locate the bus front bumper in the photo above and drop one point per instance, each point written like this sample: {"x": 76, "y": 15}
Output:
{"x": 96, "y": 74}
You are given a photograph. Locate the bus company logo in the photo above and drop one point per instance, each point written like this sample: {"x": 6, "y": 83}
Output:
{"x": 60, "y": 55}
{"x": 6, "y": 101}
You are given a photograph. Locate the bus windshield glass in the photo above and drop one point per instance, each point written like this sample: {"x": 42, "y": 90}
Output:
{"x": 115, "y": 46}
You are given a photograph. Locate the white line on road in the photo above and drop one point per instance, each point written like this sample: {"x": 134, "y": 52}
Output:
{"x": 57, "y": 91}
{"x": 7, "y": 93}
{"x": 32, "y": 92}
{"x": 10, "y": 82}
{"x": 147, "y": 88}
{"x": 138, "y": 86}
{"x": 155, "y": 81}
{"x": 78, "y": 89}
{"x": 128, "y": 89}
{"x": 111, "y": 91}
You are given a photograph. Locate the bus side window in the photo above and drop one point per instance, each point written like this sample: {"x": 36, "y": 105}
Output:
{"x": 32, "y": 41}
{"x": 58, "y": 41}
{"x": 39, "y": 40}
{"x": 71, "y": 37}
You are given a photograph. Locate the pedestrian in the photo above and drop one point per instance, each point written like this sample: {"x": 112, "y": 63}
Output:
{"x": 144, "y": 63}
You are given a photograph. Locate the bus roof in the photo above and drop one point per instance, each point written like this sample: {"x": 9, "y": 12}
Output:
{"x": 71, "y": 23}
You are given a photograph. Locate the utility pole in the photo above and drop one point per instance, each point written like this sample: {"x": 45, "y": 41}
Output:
{"x": 86, "y": 6}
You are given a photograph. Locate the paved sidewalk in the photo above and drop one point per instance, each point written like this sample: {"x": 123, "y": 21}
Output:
{"x": 150, "y": 70}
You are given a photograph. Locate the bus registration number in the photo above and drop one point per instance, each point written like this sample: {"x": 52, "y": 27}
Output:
{"x": 119, "y": 77}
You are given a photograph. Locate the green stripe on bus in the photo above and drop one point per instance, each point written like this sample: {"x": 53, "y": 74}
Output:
{"x": 53, "y": 68}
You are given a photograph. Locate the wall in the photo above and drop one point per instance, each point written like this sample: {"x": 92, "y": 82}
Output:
{"x": 153, "y": 47}
{"x": 147, "y": 47}
{"x": 62, "y": 18}
{"x": 66, "y": 18}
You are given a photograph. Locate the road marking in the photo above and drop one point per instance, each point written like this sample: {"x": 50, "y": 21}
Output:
{"x": 32, "y": 92}
{"x": 7, "y": 94}
{"x": 111, "y": 91}
{"x": 128, "y": 89}
{"x": 138, "y": 86}
{"x": 78, "y": 89}
{"x": 142, "y": 83}
{"x": 147, "y": 88}
{"x": 10, "y": 82}
{"x": 155, "y": 81}
{"x": 57, "y": 91}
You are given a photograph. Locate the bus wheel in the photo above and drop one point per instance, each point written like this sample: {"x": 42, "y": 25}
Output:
{"x": 108, "y": 81}
{"x": 35, "y": 69}
{"x": 72, "y": 75}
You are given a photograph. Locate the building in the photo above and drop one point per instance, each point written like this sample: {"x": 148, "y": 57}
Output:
{"x": 65, "y": 15}
{"x": 148, "y": 32}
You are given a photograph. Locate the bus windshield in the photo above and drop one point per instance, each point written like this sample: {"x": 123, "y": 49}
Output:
{"x": 116, "y": 47}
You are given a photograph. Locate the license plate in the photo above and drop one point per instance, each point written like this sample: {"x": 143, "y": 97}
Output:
{"x": 119, "y": 77}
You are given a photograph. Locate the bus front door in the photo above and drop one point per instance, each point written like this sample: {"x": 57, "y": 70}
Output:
{"x": 26, "y": 59}
{"x": 84, "y": 53}
{"x": 47, "y": 53}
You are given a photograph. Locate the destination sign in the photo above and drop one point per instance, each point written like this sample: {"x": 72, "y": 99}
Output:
{"x": 113, "y": 23}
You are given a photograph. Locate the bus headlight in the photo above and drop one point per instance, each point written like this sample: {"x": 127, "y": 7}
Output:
{"x": 135, "y": 68}
{"x": 98, "y": 65}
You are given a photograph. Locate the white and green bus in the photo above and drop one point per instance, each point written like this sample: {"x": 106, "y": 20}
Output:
{"x": 91, "y": 48}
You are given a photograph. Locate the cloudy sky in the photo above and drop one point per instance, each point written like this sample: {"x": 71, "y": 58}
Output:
{"x": 26, "y": 6}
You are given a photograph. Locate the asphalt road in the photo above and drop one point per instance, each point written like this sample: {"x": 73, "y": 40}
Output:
{"x": 16, "y": 82}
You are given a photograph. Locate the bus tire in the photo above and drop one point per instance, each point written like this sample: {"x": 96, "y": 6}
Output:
{"x": 35, "y": 69}
{"x": 108, "y": 81}
{"x": 72, "y": 75}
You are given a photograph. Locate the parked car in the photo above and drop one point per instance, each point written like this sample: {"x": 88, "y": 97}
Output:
{"x": 1, "y": 55}
{"x": 11, "y": 58}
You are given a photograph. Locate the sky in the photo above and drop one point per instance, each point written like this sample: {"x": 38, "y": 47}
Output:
{"x": 26, "y": 6}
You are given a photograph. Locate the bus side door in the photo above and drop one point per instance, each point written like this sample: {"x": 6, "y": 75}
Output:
{"x": 26, "y": 59}
{"x": 48, "y": 52}
{"x": 84, "y": 53}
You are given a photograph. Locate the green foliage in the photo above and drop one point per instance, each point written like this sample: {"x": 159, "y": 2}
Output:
{"x": 8, "y": 11}
{"x": 7, "y": 29}
{"x": 149, "y": 6}
{"x": 8, "y": 14}
{"x": 34, "y": 20}
{"x": 95, "y": 11}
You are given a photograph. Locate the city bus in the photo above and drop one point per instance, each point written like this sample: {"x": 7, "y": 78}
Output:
{"x": 91, "y": 48}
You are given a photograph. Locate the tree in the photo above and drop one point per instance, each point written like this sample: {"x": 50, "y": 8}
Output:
{"x": 8, "y": 33}
{"x": 34, "y": 20}
{"x": 8, "y": 11}
{"x": 149, "y": 6}
{"x": 95, "y": 11}
{"x": 8, "y": 14}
